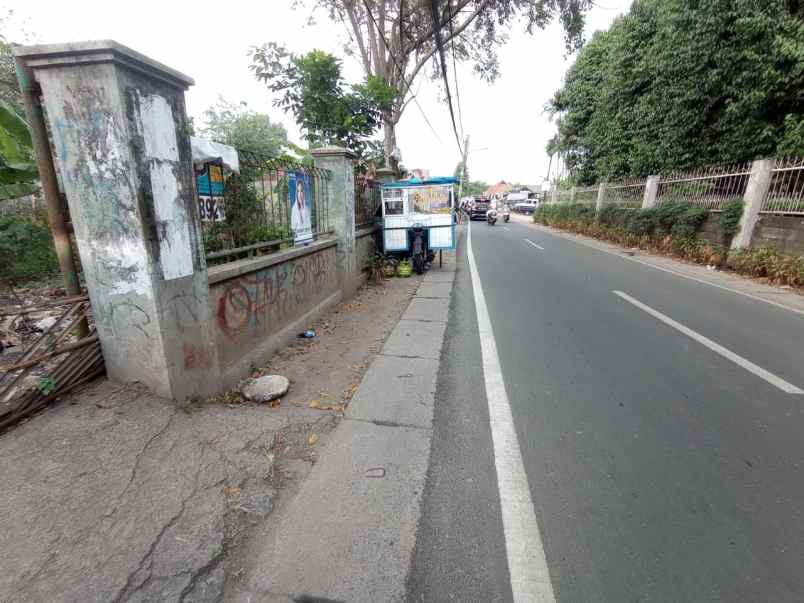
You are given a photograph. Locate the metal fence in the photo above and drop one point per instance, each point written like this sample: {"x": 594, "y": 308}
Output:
{"x": 586, "y": 195}
{"x": 250, "y": 213}
{"x": 786, "y": 192}
{"x": 368, "y": 197}
{"x": 710, "y": 187}
{"x": 627, "y": 194}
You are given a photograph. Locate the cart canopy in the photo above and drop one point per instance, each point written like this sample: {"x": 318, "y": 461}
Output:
{"x": 419, "y": 182}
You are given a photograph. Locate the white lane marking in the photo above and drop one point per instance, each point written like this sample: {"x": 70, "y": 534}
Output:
{"x": 715, "y": 347}
{"x": 536, "y": 245}
{"x": 620, "y": 255}
{"x": 527, "y": 565}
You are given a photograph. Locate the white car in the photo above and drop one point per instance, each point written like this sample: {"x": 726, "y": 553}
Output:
{"x": 525, "y": 207}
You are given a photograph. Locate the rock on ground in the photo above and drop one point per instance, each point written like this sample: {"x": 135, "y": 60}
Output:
{"x": 265, "y": 389}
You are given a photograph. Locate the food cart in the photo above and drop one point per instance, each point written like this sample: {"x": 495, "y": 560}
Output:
{"x": 418, "y": 218}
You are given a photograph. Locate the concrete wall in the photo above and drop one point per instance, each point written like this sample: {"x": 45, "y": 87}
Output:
{"x": 783, "y": 233}
{"x": 711, "y": 231}
{"x": 365, "y": 246}
{"x": 260, "y": 304}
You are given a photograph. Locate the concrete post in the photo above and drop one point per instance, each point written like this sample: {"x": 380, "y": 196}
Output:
{"x": 120, "y": 135}
{"x": 651, "y": 192}
{"x": 573, "y": 192}
{"x": 601, "y": 196}
{"x": 554, "y": 195}
{"x": 340, "y": 162}
{"x": 385, "y": 175}
{"x": 755, "y": 191}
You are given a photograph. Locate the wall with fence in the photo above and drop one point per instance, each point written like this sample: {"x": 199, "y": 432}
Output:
{"x": 193, "y": 277}
{"x": 772, "y": 192}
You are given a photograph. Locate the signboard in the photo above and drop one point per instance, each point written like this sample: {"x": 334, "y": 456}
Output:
{"x": 429, "y": 200}
{"x": 300, "y": 195}
{"x": 209, "y": 183}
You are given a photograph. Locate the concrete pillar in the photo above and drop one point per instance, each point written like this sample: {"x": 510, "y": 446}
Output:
{"x": 755, "y": 191}
{"x": 651, "y": 192}
{"x": 385, "y": 175}
{"x": 554, "y": 195}
{"x": 601, "y": 196}
{"x": 340, "y": 162}
{"x": 119, "y": 130}
{"x": 573, "y": 192}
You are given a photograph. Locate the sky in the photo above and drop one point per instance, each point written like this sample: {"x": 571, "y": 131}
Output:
{"x": 209, "y": 41}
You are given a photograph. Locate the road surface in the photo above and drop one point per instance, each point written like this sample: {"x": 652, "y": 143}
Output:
{"x": 659, "y": 430}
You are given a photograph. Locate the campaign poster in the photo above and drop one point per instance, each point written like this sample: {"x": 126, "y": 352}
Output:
{"x": 209, "y": 183}
{"x": 300, "y": 195}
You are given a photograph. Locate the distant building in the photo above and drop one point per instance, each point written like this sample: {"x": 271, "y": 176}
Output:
{"x": 498, "y": 190}
{"x": 419, "y": 173}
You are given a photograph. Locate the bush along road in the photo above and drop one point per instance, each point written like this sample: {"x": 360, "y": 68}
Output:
{"x": 673, "y": 228}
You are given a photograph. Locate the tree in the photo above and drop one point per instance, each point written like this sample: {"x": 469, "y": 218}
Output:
{"x": 397, "y": 39}
{"x": 681, "y": 83}
{"x": 327, "y": 110}
{"x": 244, "y": 129}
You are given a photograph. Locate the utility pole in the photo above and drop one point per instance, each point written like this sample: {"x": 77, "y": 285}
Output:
{"x": 463, "y": 164}
{"x": 47, "y": 176}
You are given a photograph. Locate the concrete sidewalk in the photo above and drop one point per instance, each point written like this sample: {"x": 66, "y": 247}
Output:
{"x": 349, "y": 535}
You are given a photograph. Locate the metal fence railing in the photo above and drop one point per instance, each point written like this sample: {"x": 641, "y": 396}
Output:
{"x": 368, "y": 197}
{"x": 627, "y": 194}
{"x": 710, "y": 187}
{"x": 251, "y": 213}
{"x": 586, "y": 195}
{"x": 786, "y": 192}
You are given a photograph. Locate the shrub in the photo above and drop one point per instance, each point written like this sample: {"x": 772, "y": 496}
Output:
{"x": 26, "y": 249}
{"x": 729, "y": 219}
{"x": 688, "y": 222}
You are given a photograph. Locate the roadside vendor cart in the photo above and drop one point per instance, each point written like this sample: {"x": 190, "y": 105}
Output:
{"x": 418, "y": 218}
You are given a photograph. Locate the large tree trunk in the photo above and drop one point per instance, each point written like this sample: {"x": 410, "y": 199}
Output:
{"x": 389, "y": 142}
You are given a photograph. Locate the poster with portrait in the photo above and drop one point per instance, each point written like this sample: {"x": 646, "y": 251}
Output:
{"x": 300, "y": 195}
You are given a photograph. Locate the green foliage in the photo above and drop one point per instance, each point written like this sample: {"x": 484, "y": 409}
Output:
{"x": 768, "y": 263}
{"x": 26, "y": 249}
{"x": 238, "y": 126}
{"x": 729, "y": 219}
{"x": 312, "y": 88}
{"x": 679, "y": 83}
{"x": 18, "y": 172}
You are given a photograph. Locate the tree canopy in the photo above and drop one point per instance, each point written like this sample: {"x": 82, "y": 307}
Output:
{"x": 680, "y": 83}
{"x": 242, "y": 128}
{"x": 326, "y": 109}
{"x": 396, "y": 40}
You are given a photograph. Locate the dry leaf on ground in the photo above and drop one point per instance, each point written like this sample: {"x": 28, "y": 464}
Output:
{"x": 231, "y": 490}
{"x": 312, "y": 439}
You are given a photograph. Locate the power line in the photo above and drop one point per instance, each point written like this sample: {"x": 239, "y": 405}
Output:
{"x": 401, "y": 71}
{"x": 442, "y": 61}
{"x": 455, "y": 74}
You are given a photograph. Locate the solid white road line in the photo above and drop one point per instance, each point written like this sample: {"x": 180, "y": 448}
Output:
{"x": 715, "y": 347}
{"x": 536, "y": 245}
{"x": 527, "y": 565}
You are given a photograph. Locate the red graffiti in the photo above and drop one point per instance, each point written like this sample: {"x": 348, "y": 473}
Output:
{"x": 265, "y": 298}
{"x": 196, "y": 357}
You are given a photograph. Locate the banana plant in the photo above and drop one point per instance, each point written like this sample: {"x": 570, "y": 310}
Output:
{"x": 18, "y": 172}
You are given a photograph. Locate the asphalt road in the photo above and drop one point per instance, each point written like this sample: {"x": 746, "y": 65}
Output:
{"x": 663, "y": 464}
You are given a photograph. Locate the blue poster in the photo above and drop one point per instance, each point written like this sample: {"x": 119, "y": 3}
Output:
{"x": 300, "y": 195}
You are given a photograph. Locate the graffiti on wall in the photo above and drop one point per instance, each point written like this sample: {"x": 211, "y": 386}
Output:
{"x": 262, "y": 301}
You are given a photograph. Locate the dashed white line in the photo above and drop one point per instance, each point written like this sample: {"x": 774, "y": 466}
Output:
{"x": 536, "y": 245}
{"x": 527, "y": 564}
{"x": 715, "y": 347}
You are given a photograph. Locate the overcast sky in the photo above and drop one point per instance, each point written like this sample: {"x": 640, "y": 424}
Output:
{"x": 209, "y": 41}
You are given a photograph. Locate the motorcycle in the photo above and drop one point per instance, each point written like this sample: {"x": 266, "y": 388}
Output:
{"x": 491, "y": 217}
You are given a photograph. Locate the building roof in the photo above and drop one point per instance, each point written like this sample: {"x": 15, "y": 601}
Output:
{"x": 500, "y": 187}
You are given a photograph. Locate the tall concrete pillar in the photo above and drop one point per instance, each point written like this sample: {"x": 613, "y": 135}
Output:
{"x": 119, "y": 130}
{"x": 755, "y": 191}
{"x": 651, "y": 192}
{"x": 601, "y": 196}
{"x": 554, "y": 194}
{"x": 340, "y": 162}
{"x": 573, "y": 193}
{"x": 385, "y": 175}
